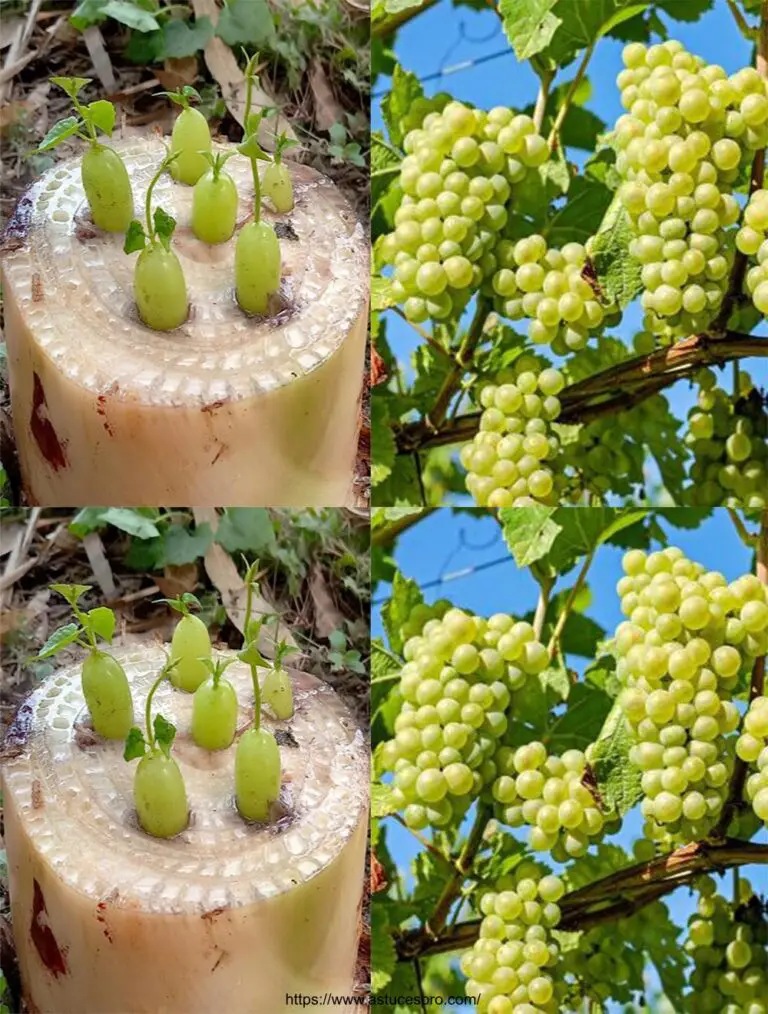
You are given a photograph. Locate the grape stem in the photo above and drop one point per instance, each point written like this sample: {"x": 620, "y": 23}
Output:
{"x": 249, "y": 75}
{"x": 562, "y": 112}
{"x": 387, "y": 534}
{"x": 562, "y": 619}
{"x": 757, "y": 686}
{"x": 546, "y": 77}
{"x": 749, "y": 540}
{"x": 148, "y": 708}
{"x": 387, "y": 26}
{"x": 249, "y": 582}
{"x": 463, "y": 864}
{"x": 619, "y": 895}
{"x": 148, "y": 200}
{"x": 749, "y": 34}
{"x": 424, "y": 842}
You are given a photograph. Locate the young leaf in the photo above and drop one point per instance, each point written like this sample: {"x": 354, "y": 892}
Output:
{"x": 165, "y": 226}
{"x": 252, "y": 149}
{"x": 135, "y": 745}
{"x": 59, "y": 639}
{"x": 102, "y": 622}
{"x": 246, "y": 22}
{"x": 71, "y": 592}
{"x": 59, "y": 132}
{"x": 102, "y": 115}
{"x": 181, "y": 605}
{"x": 135, "y": 238}
{"x": 71, "y": 85}
{"x": 283, "y": 143}
{"x": 165, "y": 734}
{"x": 282, "y": 650}
{"x": 130, "y": 14}
{"x": 252, "y": 656}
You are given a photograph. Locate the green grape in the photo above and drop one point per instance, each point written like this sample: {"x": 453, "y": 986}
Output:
{"x": 214, "y": 207}
{"x": 752, "y": 748}
{"x": 257, "y": 266}
{"x": 107, "y": 187}
{"x": 257, "y": 774}
{"x": 160, "y": 796}
{"x": 277, "y": 692}
{"x": 190, "y": 136}
{"x": 190, "y": 646}
{"x": 160, "y": 289}
{"x": 108, "y": 695}
{"x": 214, "y": 714}
{"x": 277, "y": 186}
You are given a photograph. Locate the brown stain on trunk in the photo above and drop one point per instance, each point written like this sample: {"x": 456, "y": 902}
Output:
{"x": 42, "y": 428}
{"x": 50, "y": 953}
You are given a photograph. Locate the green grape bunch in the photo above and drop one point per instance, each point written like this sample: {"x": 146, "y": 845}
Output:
{"x": 752, "y": 748}
{"x": 457, "y": 682}
{"x": 457, "y": 178}
{"x": 551, "y": 795}
{"x": 727, "y": 944}
{"x": 509, "y": 459}
{"x": 688, "y": 132}
{"x": 511, "y": 968}
{"x": 728, "y": 438}
{"x": 688, "y": 638}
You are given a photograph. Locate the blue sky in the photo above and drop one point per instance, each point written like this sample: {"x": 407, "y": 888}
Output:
{"x": 445, "y": 36}
{"x": 448, "y": 543}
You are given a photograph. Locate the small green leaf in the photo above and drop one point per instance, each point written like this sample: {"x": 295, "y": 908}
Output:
{"x": 71, "y": 85}
{"x": 165, "y": 226}
{"x": 165, "y": 734}
{"x": 71, "y": 592}
{"x": 59, "y": 132}
{"x": 138, "y": 521}
{"x": 59, "y": 639}
{"x": 246, "y": 22}
{"x": 135, "y": 745}
{"x": 252, "y": 656}
{"x": 135, "y": 238}
{"x": 252, "y": 149}
{"x": 185, "y": 38}
{"x": 246, "y": 529}
{"x": 102, "y": 622}
{"x": 130, "y": 14}
{"x": 102, "y": 115}
{"x": 529, "y": 25}
{"x": 382, "y": 803}
{"x": 406, "y": 595}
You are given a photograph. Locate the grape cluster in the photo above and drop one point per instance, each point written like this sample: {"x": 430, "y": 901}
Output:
{"x": 687, "y": 131}
{"x": 688, "y": 637}
{"x": 457, "y": 178}
{"x": 728, "y": 438}
{"x": 509, "y": 968}
{"x": 727, "y": 943}
{"x": 549, "y": 794}
{"x": 506, "y": 461}
{"x": 550, "y": 288}
{"x": 751, "y": 241}
{"x": 456, "y": 685}
{"x": 752, "y": 748}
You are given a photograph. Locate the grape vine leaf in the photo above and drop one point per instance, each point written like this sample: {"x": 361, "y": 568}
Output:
{"x": 71, "y": 593}
{"x": 617, "y": 778}
{"x": 382, "y": 440}
{"x": 383, "y": 946}
{"x": 529, "y": 25}
{"x": 101, "y": 621}
{"x": 382, "y": 803}
{"x": 581, "y": 215}
{"x": 529, "y": 532}
{"x": 396, "y": 104}
{"x": 165, "y": 226}
{"x": 581, "y": 722}
{"x": 382, "y": 296}
{"x": 396, "y": 611}
{"x": 135, "y": 745}
{"x": 165, "y": 734}
{"x": 102, "y": 115}
{"x": 135, "y": 239}
{"x": 131, "y": 14}
{"x": 246, "y": 23}
{"x": 59, "y": 639}
{"x": 618, "y": 273}
{"x": 583, "y": 22}
{"x": 59, "y": 132}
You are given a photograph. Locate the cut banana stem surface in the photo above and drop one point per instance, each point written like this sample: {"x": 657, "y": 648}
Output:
{"x": 227, "y": 916}
{"x": 226, "y": 408}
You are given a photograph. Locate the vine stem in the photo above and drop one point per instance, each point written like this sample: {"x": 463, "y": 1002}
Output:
{"x": 616, "y": 389}
{"x": 746, "y": 537}
{"x": 391, "y": 24}
{"x": 388, "y": 533}
{"x": 464, "y": 355}
{"x": 619, "y": 895}
{"x": 568, "y": 607}
{"x": 741, "y": 22}
{"x": 757, "y": 686}
{"x": 425, "y": 842}
{"x": 546, "y": 77}
{"x": 436, "y": 922}
{"x": 566, "y": 104}
{"x": 545, "y": 590}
